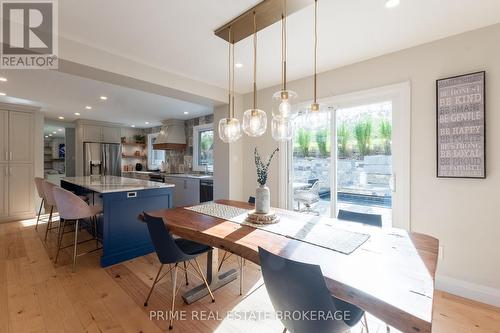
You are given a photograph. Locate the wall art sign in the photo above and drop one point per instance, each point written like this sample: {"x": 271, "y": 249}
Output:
{"x": 461, "y": 126}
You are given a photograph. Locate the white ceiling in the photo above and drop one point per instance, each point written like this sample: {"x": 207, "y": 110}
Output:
{"x": 59, "y": 94}
{"x": 177, "y": 36}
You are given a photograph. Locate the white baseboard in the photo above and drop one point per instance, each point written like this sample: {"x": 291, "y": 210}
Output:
{"x": 468, "y": 290}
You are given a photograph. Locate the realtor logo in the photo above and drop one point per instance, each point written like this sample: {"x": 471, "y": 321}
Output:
{"x": 29, "y": 35}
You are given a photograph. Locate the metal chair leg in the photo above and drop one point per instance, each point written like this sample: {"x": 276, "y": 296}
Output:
{"x": 204, "y": 279}
{"x": 366, "y": 323}
{"x": 76, "y": 245}
{"x": 186, "y": 273}
{"x": 39, "y": 212}
{"x": 59, "y": 242}
{"x": 174, "y": 288}
{"x": 152, "y": 287}
{"x": 223, "y": 259}
{"x": 49, "y": 223}
{"x": 241, "y": 275}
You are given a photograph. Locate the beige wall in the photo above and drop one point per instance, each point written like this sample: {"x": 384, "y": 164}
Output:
{"x": 462, "y": 213}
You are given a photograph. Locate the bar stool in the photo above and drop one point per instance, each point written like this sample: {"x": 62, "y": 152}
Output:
{"x": 39, "y": 190}
{"x": 72, "y": 208}
{"x": 49, "y": 200}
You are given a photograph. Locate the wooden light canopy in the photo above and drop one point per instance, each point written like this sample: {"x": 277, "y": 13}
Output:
{"x": 267, "y": 13}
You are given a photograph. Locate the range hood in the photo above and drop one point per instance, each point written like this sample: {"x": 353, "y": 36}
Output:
{"x": 172, "y": 136}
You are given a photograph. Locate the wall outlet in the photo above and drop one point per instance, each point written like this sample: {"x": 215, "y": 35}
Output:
{"x": 441, "y": 253}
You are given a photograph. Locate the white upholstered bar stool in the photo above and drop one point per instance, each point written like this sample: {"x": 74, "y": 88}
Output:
{"x": 72, "y": 208}
{"x": 39, "y": 190}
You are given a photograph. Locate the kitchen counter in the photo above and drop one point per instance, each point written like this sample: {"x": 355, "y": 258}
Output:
{"x": 109, "y": 184}
{"x": 122, "y": 200}
{"x": 189, "y": 175}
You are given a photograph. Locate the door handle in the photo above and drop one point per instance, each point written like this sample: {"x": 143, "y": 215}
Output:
{"x": 10, "y": 156}
{"x": 6, "y": 155}
{"x": 10, "y": 171}
{"x": 393, "y": 182}
{"x": 6, "y": 172}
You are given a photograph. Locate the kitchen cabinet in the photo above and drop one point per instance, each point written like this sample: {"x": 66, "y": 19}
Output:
{"x": 20, "y": 137}
{"x": 111, "y": 134}
{"x": 20, "y": 183}
{"x": 16, "y": 165}
{"x": 186, "y": 191}
{"x": 4, "y": 136}
{"x": 4, "y": 190}
{"x": 106, "y": 134}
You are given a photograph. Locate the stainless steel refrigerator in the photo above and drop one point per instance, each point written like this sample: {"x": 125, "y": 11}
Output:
{"x": 103, "y": 159}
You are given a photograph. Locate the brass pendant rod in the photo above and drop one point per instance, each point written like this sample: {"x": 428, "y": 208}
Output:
{"x": 315, "y": 45}
{"x": 254, "y": 61}
{"x": 283, "y": 43}
{"x": 229, "y": 72}
{"x": 232, "y": 83}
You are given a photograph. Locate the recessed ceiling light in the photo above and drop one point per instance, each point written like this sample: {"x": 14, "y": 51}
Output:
{"x": 133, "y": 125}
{"x": 3, "y": 79}
{"x": 59, "y": 129}
{"x": 391, "y": 3}
{"x": 2, "y": 94}
{"x": 238, "y": 65}
{"x": 46, "y": 136}
{"x": 104, "y": 98}
{"x": 54, "y": 132}
{"x": 147, "y": 122}
{"x": 61, "y": 117}
{"x": 88, "y": 107}
{"x": 50, "y": 134}
{"x": 185, "y": 112}
{"x": 77, "y": 113}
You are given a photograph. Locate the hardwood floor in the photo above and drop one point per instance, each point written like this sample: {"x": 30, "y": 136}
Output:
{"x": 38, "y": 296}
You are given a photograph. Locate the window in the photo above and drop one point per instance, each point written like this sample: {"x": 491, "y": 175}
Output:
{"x": 155, "y": 157}
{"x": 203, "y": 147}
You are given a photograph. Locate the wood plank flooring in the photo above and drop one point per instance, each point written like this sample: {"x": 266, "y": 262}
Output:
{"x": 37, "y": 295}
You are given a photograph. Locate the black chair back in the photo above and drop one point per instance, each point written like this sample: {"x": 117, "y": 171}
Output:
{"x": 371, "y": 219}
{"x": 251, "y": 200}
{"x": 167, "y": 250}
{"x": 296, "y": 287}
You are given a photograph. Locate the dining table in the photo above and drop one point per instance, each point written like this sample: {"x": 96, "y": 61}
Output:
{"x": 390, "y": 274}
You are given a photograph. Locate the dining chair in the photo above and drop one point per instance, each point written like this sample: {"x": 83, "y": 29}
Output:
{"x": 296, "y": 287}
{"x": 365, "y": 218}
{"x": 72, "y": 208}
{"x": 308, "y": 198}
{"x": 173, "y": 252}
{"x": 39, "y": 190}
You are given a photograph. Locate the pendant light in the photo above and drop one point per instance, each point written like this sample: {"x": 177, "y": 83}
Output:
{"x": 229, "y": 128}
{"x": 254, "y": 120}
{"x": 316, "y": 114}
{"x": 283, "y": 98}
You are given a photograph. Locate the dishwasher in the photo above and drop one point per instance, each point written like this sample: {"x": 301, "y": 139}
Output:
{"x": 206, "y": 190}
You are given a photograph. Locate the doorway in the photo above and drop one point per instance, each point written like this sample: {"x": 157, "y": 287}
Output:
{"x": 359, "y": 161}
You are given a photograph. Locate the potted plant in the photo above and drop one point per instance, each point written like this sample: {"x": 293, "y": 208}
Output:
{"x": 139, "y": 138}
{"x": 262, "y": 195}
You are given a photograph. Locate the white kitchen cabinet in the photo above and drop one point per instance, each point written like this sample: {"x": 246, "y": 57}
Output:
{"x": 20, "y": 182}
{"x": 92, "y": 133}
{"x": 20, "y": 137}
{"x": 111, "y": 134}
{"x": 4, "y": 190}
{"x": 186, "y": 191}
{"x": 4, "y": 136}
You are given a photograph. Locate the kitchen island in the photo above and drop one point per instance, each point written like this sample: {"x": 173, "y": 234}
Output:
{"x": 122, "y": 199}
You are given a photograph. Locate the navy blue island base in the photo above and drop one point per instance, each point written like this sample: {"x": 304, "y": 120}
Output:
{"x": 124, "y": 237}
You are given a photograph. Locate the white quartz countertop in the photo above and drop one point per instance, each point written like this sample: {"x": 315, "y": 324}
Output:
{"x": 108, "y": 184}
{"x": 188, "y": 175}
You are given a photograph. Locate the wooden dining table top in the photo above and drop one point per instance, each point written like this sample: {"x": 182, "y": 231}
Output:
{"x": 390, "y": 276}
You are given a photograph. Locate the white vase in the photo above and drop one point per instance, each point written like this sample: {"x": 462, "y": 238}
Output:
{"x": 262, "y": 199}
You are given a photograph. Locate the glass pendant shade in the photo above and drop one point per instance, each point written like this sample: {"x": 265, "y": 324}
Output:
{"x": 229, "y": 129}
{"x": 254, "y": 122}
{"x": 282, "y": 108}
{"x": 282, "y": 129}
{"x": 316, "y": 116}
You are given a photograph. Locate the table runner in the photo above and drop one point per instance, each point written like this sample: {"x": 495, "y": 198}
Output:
{"x": 313, "y": 230}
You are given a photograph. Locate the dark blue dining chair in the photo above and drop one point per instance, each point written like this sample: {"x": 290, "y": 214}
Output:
{"x": 173, "y": 252}
{"x": 300, "y": 288}
{"x": 365, "y": 218}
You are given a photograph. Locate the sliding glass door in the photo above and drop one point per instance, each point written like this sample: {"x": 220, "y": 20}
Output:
{"x": 352, "y": 162}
